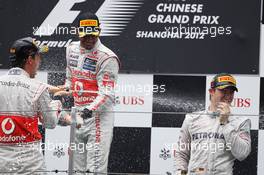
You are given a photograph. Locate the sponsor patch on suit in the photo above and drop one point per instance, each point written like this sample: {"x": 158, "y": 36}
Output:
{"x": 74, "y": 56}
{"x": 89, "y": 64}
{"x": 73, "y": 63}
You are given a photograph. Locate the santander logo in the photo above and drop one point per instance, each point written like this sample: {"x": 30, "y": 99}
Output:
{"x": 8, "y": 126}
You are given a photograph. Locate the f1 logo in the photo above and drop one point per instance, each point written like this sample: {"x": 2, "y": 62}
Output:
{"x": 109, "y": 10}
{"x": 61, "y": 13}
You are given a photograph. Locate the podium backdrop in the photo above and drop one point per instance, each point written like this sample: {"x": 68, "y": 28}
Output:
{"x": 149, "y": 36}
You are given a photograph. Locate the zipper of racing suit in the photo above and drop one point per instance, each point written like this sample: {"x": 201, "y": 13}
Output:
{"x": 211, "y": 168}
{"x": 217, "y": 120}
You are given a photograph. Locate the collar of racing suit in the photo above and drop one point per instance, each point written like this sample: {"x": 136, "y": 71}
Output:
{"x": 17, "y": 71}
{"x": 212, "y": 114}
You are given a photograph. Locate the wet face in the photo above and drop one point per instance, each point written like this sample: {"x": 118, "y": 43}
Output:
{"x": 34, "y": 65}
{"x": 222, "y": 95}
{"x": 88, "y": 42}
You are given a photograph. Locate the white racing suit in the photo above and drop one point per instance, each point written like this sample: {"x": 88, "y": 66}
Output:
{"x": 207, "y": 148}
{"x": 92, "y": 75}
{"x": 23, "y": 102}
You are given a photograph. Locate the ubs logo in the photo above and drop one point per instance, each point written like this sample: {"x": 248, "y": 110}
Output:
{"x": 6, "y": 128}
{"x": 241, "y": 102}
{"x": 130, "y": 100}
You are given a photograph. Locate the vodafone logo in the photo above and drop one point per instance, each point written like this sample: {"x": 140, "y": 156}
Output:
{"x": 8, "y": 126}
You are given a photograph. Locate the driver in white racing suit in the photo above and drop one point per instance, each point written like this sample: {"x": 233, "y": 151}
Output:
{"x": 23, "y": 102}
{"x": 211, "y": 140}
{"x": 92, "y": 71}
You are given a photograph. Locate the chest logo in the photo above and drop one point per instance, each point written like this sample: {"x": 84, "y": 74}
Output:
{"x": 73, "y": 63}
{"x": 89, "y": 64}
{"x": 8, "y": 126}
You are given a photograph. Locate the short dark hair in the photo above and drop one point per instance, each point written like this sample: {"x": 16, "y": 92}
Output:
{"x": 21, "y": 50}
{"x": 19, "y": 60}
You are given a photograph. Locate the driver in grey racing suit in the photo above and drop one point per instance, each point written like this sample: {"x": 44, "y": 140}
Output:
{"x": 211, "y": 140}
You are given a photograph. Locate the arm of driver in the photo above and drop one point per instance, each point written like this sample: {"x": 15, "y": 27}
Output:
{"x": 237, "y": 134}
{"x": 182, "y": 151}
{"x": 49, "y": 110}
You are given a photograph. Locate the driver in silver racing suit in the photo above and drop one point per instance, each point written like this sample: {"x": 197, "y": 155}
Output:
{"x": 23, "y": 101}
{"x": 91, "y": 74}
{"x": 211, "y": 140}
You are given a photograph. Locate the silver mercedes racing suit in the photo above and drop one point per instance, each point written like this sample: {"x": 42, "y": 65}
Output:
{"x": 92, "y": 75}
{"x": 23, "y": 101}
{"x": 207, "y": 148}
